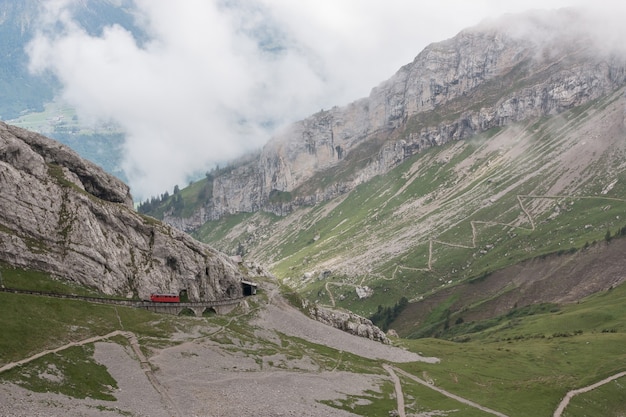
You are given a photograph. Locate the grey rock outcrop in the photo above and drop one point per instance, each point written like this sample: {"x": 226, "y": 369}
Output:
{"x": 63, "y": 215}
{"x": 348, "y": 322}
{"x": 508, "y": 71}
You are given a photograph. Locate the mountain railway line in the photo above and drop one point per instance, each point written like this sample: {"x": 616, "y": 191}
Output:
{"x": 219, "y": 306}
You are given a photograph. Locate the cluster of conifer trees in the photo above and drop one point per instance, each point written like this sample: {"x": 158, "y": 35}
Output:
{"x": 384, "y": 316}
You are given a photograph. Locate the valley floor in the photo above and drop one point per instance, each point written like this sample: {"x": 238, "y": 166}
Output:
{"x": 211, "y": 373}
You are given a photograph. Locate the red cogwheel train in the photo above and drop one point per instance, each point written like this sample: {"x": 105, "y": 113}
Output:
{"x": 248, "y": 288}
{"x": 165, "y": 298}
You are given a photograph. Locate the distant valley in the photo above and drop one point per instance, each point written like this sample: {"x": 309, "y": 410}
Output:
{"x": 32, "y": 101}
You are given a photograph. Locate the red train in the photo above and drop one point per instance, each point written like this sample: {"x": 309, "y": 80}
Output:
{"x": 165, "y": 298}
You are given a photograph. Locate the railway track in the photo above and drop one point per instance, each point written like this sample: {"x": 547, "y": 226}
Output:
{"x": 122, "y": 302}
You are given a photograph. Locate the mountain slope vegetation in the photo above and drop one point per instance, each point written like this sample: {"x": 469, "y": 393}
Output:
{"x": 489, "y": 156}
{"x": 522, "y": 366}
{"x": 451, "y": 214}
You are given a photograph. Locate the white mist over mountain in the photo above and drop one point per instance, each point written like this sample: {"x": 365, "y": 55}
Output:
{"x": 215, "y": 78}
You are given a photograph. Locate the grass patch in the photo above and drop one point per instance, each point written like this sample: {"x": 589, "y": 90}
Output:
{"x": 521, "y": 379}
{"x": 608, "y": 400}
{"x": 216, "y": 231}
{"x": 421, "y": 400}
{"x": 373, "y": 403}
{"x": 525, "y": 362}
{"x": 30, "y": 280}
{"x": 33, "y": 323}
{"x": 73, "y": 373}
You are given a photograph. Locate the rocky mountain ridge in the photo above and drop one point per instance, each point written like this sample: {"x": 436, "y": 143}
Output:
{"x": 489, "y": 76}
{"x": 63, "y": 215}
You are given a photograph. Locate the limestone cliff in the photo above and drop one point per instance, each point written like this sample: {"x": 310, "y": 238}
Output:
{"x": 66, "y": 216}
{"x": 513, "y": 70}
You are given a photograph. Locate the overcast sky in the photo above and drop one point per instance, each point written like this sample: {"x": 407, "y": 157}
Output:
{"x": 216, "y": 77}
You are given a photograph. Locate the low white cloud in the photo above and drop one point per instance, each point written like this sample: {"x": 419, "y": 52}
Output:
{"x": 216, "y": 77}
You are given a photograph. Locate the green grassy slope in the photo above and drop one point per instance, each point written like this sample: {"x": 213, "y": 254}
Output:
{"x": 450, "y": 214}
{"x": 525, "y": 365}
{"x": 32, "y": 324}
{"x": 521, "y": 367}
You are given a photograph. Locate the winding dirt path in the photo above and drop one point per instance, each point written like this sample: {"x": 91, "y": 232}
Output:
{"x": 398, "y": 388}
{"x": 475, "y": 232}
{"x": 447, "y": 393}
{"x": 330, "y": 294}
{"x": 337, "y": 284}
{"x": 94, "y": 339}
{"x": 134, "y": 343}
{"x": 564, "y": 403}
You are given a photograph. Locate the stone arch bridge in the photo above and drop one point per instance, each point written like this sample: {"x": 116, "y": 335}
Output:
{"x": 198, "y": 308}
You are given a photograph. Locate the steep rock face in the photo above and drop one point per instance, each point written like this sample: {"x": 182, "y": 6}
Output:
{"x": 513, "y": 70}
{"x": 66, "y": 216}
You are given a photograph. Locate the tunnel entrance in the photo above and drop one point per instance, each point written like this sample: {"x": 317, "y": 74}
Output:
{"x": 249, "y": 288}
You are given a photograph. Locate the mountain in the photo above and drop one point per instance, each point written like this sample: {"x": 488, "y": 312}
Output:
{"x": 502, "y": 145}
{"x": 486, "y": 77}
{"x": 65, "y": 216}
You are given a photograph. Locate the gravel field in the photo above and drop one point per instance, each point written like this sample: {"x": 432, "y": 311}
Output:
{"x": 203, "y": 378}
{"x": 282, "y": 317}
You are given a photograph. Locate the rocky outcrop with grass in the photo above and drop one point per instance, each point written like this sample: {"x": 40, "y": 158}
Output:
{"x": 348, "y": 322}
{"x": 64, "y": 215}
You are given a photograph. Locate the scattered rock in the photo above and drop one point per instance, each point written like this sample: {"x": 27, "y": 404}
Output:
{"x": 364, "y": 292}
{"x": 325, "y": 274}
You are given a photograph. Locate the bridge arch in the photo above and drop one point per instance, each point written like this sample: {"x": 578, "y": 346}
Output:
{"x": 186, "y": 311}
{"x": 209, "y": 312}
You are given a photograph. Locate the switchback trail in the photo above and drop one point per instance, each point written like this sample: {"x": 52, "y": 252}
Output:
{"x": 475, "y": 232}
